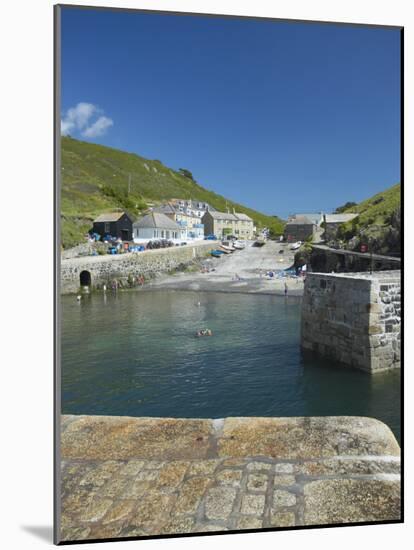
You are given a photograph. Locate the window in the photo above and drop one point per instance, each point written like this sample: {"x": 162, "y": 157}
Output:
{"x": 107, "y": 227}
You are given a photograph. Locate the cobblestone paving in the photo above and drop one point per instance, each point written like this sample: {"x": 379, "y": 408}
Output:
{"x": 141, "y": 497}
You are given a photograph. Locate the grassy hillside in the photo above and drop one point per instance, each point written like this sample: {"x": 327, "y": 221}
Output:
{"x": 97, "y": 179}
{"x": 378, "y": 221}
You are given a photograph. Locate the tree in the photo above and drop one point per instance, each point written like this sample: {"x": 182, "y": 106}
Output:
{"x": 186, "y": 173}
{"x": 346, "y": 206}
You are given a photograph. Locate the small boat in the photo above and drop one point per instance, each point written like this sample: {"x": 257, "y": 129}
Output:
{"x": 226, "y": 249}
{"x": 239, "y": 246}
{"x": 216, "y": 253}
{"x": 229, "y": 244}
{"x": 204, "y": 332}
{"x": 295, "y": 246}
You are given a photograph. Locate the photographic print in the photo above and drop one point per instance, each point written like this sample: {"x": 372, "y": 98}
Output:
{"x": 228, "y": 260}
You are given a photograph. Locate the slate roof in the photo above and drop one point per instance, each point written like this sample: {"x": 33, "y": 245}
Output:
{"x": 157, "y": 220}
{"x": 227, "y": 216}
{"x": 165, "y": 209}
{"x": 243, "y": 217}
{"x": 109, "y": 217}
{"x": 300, "y": 219}
{"x": 222, "y": 216}
{"x": 340, "y": 218}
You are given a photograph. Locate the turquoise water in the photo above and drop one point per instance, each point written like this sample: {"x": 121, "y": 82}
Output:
{"x": 135, "y": 354}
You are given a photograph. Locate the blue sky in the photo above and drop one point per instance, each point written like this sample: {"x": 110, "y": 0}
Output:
{"x": 282, "y": 117}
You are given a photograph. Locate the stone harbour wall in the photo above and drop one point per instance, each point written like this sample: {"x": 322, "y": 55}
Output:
{"x": 353, "y": 318}
{"x": 137, "y": 477}
{"x": 150, "y": 263}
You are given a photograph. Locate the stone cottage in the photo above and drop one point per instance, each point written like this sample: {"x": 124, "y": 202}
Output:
{"x": 156, "y": 226}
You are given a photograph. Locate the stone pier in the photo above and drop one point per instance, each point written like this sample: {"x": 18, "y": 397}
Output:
{"x": 138, "y": 477}
{"x": 353, "y": 318}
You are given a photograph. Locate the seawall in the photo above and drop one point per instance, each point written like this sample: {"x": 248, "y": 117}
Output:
{"x": 354, "y": 318}
{"x": 103, "y": 269}
{"x": 124, "y": 476}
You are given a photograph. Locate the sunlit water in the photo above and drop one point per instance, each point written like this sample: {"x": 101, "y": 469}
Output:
{"x": 136, "y": 354}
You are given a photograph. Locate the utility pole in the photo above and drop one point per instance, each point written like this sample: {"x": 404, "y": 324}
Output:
{"x": 371, "y": 260}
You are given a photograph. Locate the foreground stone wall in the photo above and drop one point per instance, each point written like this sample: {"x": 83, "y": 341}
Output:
{"x": 128, "y": 477}
{"x": 149, "y": 263}
{"x": 353, "y": 318}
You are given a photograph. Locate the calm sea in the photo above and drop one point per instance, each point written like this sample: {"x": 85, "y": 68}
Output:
{"x": 136, "y": 354}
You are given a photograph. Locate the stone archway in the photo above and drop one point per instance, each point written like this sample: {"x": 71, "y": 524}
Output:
{"x": 85, "y": 278}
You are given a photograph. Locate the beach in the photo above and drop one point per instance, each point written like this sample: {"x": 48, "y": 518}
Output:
{"x": 243, "y": 271}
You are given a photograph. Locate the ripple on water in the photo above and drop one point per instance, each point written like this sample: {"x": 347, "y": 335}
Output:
{"x": 136, "y": 354}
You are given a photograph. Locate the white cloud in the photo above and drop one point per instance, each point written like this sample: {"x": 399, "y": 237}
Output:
{"x": 99, "y": 127}
{"x": 85, "y": 119}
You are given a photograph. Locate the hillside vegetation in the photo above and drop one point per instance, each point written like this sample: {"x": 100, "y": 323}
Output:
{"x": 97, "y": 179}
{"x": 378, "y": 223}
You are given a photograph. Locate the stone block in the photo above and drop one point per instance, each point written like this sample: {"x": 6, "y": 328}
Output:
{"x": 351, "y": 501}
{"x": 257, "y": 482}
{"x": 229, "y": 477}
{"x": 282, "y": 519}
{"x": 249, "y": 523}
{"x": 283, "y": 498}
{"x": 190, "y": 495}
{"x": 219, "y": 502}
{"x": 285, "y": 479}
{"x": 252, "y": 504}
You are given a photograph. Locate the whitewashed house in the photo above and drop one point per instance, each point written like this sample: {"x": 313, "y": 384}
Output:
{"x": 156, "y": 226}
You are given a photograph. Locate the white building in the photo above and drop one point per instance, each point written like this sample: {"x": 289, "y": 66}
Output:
{"x": 156, "y": 226}
{"x": 185, "y": 217}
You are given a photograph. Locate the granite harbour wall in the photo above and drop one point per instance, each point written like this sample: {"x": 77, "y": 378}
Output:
{"x": 99, "y": 270}
{"x": 354, "y": 318}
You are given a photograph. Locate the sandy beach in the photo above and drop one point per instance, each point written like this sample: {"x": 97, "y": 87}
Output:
{"x": 243, "y": 271}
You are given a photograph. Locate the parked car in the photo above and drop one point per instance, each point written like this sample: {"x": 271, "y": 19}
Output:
{"x": 210, "y": 238}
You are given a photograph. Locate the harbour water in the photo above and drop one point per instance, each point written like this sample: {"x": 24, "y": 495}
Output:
{"x": 136, "y": 354}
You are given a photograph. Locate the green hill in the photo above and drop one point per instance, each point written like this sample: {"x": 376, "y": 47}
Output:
{"x": 97, "y": 179}
{"x": 378, "y": 222}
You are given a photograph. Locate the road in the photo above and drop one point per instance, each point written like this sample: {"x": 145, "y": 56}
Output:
{"x": 242, "y": 271}
{"x": 365, "y": 255}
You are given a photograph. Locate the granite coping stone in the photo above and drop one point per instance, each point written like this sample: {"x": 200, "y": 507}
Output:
{"x": 121, "y": 437}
